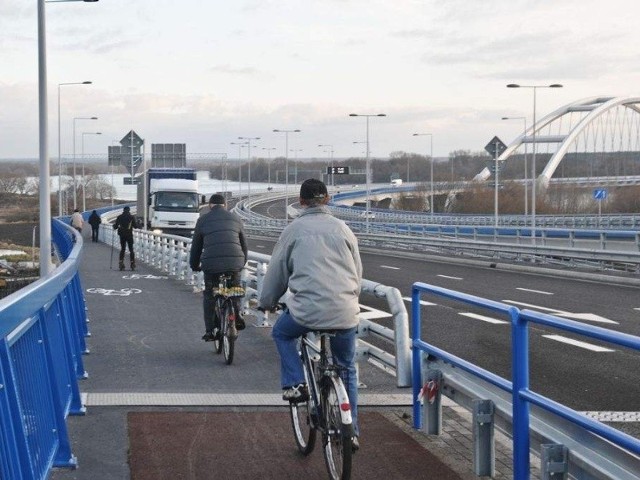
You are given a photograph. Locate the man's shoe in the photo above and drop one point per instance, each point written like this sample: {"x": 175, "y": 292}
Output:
{"x": 355, "y": 444}
{"x": 208, "y": 337}
{"x": 296, "y": 394}
{"x": 240, "y": 325}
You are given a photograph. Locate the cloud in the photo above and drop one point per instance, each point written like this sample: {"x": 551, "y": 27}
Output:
{"x": 231, "y": 70}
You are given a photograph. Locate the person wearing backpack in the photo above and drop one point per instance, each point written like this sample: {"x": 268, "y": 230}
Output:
{"x": 125, "y": 223}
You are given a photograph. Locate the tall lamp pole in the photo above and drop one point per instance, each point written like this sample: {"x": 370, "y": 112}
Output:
{"x": 59, "y": 145}
{"x": 248, "y": 139}
{"x": 295, "y": 164}
{"x": 286, "y": 167}
{"x": 269, "y": 149}
{"x": 240, "y": 145}
{"x": 331, "y": 160}
{"x": 526, "y": 174}
{"x": 430, "y": 135}
{"x": 534, "y": 178}
{"x": 74, "y": 156}
{"x": 84, "y": 183}
{"x": 368, "y": 172}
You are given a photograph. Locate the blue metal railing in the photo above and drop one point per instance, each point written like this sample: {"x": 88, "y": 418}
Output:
{"x": 522, "y": 396}
{"x": 42, "y": 339}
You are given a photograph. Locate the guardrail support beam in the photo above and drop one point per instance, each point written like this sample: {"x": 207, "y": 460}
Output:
{"x": 432, "y": 406}
{"x": 554, "y": 461}
{"x": 484, "y": 453}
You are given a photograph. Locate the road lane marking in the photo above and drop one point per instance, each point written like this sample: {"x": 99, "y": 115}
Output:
{"x": 495, "y": 321}
{"x": 260, "y": 246}
{"x": 638, "y": 309}
{"x": 389, "y": 267}
{"x": 422, "y": 302}
{"x": 534, "y": 291}
{"x": 452, "y": 278}
{"x": 587, "y": 317}
{"x": 372, "y": 313}
{"x": 577, "y": 343}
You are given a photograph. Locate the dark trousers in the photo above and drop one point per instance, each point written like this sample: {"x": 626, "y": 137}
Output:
{"x": 94, "y": 233}
{"x": 126, "y": 240}
{"x": 211, "y": 281}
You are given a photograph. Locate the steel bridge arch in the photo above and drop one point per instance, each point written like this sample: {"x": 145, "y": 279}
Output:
{"x": 596, "y": 106}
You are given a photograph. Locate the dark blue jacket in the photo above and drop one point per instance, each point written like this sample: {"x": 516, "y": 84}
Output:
{"x": 218, "y": 243}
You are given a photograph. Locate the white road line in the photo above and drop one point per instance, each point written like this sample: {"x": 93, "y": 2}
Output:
{"x": 534, "y": 291}
{"x": 482, "y": 317}
{"x": 577, "y": 343}
{"x": 422, "y": 302}
{"x": 260, "y": 246}
{"x": 372, "y": 313}
{"x": 587, "y": 317}
{"x": 390, "y": 267}
{"x": 638, "y": 309}
{"x": 452, "y": 278}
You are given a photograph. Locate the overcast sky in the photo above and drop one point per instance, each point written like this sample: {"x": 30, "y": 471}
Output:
{"x": 203, "y": 72}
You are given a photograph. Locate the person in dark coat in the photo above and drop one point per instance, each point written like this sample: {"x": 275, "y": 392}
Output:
{"x": 218, "y": 247}
{"x": 125, "y": 223}
{"x": 94, "y": 221}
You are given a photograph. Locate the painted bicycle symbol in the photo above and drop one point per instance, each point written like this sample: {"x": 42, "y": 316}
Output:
{"x": 123, "y": 292}
{"x": 137, "y": 276}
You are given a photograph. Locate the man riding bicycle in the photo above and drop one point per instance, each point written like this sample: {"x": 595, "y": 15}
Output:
{"x": 218, "y": 247}
{"x": 317, "y": 263}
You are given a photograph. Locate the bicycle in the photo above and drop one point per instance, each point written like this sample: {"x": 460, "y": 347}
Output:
{"x": 327, "y": 410}
{"x": 227, "y": 312}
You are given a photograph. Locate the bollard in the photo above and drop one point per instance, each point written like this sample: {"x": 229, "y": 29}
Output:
{"x": 484, "y": 454}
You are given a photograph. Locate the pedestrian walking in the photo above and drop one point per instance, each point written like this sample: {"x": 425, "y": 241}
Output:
{"x": 77, "y": 221}
{"x": 94, "y": 221}
{"x": 125, "y": 223}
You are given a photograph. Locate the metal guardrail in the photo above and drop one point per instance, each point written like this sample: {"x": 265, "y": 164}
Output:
{"x": 42, "y": 334}
{"x": 170, "y": 254}
{"x": 568, "y": 442}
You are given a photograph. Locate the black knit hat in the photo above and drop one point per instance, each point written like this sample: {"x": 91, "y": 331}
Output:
{"x": 313, "y": 188}
{"x": 217, "y": 199}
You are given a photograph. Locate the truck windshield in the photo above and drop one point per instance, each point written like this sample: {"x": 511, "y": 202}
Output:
{"x": 177, "y": 201}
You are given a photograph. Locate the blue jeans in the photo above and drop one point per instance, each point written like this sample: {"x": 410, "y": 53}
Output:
{"x": 286, "y": 332}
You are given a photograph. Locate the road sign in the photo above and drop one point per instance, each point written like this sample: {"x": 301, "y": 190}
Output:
{"x": 337, "y": 170}
{"x": 131, "y": 138}
{"x": 131, "y": 181}
{"x": 495, "y": 146}
{"x": 600, "y": 193}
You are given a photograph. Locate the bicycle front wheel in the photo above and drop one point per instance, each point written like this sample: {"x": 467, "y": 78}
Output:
{"x": 303, "y": 426}
{"x": 228, "y": 337}
{"x": 337, "y": 435}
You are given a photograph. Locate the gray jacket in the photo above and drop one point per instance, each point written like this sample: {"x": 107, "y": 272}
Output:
{"x": 317, "y": 258}
{"x": 218, "y": 242}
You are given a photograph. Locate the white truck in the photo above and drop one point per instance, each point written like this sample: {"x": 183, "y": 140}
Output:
{"x": 172, "y": 200}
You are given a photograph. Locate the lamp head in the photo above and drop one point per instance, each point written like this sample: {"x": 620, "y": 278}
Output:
{"x": 513, "y": 85}
{"x": 555, "y": 85}
{"x": 353, "y": 114}
{"x": 381, "y": 115}
{"x": 87, "y": 82}
{"x": 93, "y": 118}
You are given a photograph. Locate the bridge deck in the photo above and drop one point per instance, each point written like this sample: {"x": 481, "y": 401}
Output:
{"x": 146, "y": 355}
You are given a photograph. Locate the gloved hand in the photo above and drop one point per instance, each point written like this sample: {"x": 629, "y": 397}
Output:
{"x": 196, "y": 269}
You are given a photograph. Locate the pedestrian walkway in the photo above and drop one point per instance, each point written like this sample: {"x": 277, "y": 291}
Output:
{"x": 148, "y": 366}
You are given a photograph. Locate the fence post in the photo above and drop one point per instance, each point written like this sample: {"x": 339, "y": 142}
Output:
{"x": 520, "y": 369}
{"x": 553, "y": 461}
{"x": 484, "y": 453}
{"x": 432, "y": 402}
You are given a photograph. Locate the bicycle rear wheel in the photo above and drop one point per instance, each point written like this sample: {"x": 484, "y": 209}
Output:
{"x": 228, "y": 333}
{"x": 303, "y": 426}
{"x": 217, "y": 343}
{"x": 337, "y": 436}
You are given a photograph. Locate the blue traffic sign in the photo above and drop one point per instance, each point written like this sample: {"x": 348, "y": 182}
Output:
{"x": 600, "y": 193}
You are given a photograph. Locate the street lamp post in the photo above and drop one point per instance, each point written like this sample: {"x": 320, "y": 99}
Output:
{"x": 534, "y": 186}
{"x": 526, "y": 175}
{"x": 331, "y": 160}
{"x": 74, "y": 156}
{"x": 59, "y": 144}
{"x": 286, "y": 167}
{"x": 240, "y": 145}
{"x": 84, "y": 183}
{"x": 248, "y": 139}
{"x": 295, "y": 164}
{"x": 269, "y": 149}
{"x": 430, "y": 135}
{"x": 368, "y": 172}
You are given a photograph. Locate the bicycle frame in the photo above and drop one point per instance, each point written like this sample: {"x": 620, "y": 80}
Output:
{"x": 326, "y": 370}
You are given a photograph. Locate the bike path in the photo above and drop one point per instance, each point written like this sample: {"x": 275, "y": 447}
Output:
{"x": 146, "y": 355}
